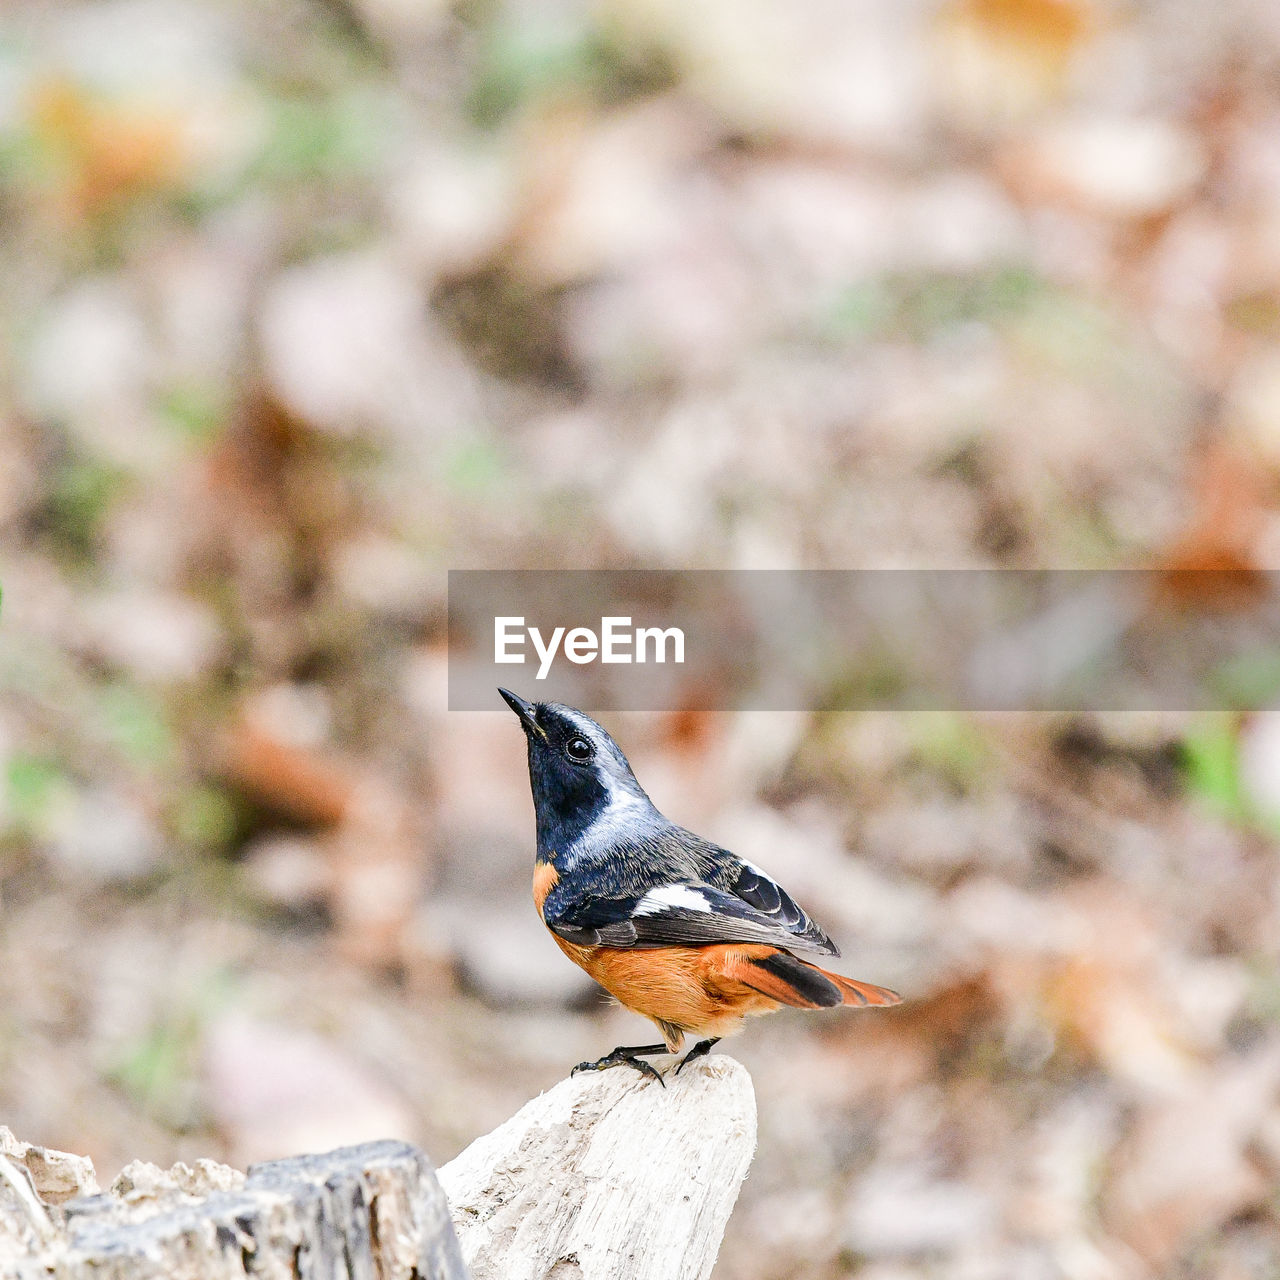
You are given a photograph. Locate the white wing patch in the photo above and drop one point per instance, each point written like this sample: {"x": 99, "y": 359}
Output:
{"x": 666, "y": 896}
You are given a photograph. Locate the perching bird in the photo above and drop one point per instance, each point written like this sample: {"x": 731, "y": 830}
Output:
{"x": 672, "y": 926}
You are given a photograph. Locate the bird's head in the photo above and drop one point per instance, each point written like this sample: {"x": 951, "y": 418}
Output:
{"x": 576, "y": 770}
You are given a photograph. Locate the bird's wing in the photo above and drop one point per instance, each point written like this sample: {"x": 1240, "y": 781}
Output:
{"x": 759, "y": 890}
{"x": 691, "y": 914}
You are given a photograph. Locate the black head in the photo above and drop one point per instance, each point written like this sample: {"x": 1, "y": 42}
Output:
{"x": 576, "y": 770}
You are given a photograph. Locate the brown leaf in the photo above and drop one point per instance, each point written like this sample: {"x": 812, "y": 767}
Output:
{"x": 1004, "y": 57}
{"x": 106, "y": 151}
{"x": 1213, "y": 563}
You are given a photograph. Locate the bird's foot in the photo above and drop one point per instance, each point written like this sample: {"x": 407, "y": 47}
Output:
{"x": 632, "y": 1055}
{"x": 699, "y": 1050}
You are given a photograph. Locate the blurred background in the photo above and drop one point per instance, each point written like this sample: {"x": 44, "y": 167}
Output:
{"x": 305, "y": 303}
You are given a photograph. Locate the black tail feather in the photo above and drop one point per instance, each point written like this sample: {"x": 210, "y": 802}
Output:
{"x": 809, "y": 983}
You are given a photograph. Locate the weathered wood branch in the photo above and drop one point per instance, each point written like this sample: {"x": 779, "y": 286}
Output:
{"x": 373, "y": 1211}
{"x": 608, "y": 1177}
{"x": 604, "y": 1177}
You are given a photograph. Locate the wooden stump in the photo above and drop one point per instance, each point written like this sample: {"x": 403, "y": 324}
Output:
{"x": 372, "y": 1212}
{"x": 608, "y": 1176}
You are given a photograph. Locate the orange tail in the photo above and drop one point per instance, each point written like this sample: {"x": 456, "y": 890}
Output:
{"x": 785, "y": 978}
{"x": 861, "y": 993}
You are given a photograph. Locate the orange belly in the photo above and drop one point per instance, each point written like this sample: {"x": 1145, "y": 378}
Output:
{"x": 682, "y": 989}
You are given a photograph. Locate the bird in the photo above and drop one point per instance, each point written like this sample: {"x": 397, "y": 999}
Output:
{"x": 675, "y": 928}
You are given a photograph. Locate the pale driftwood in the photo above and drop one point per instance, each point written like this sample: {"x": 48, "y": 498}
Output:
{"x": 372, "y": 1211}
{"x": 31, "y": 1180}
{"x": 605, "y": 1177}
{"x": 57, "y": 1176}
{"x": 608, "y": 1176}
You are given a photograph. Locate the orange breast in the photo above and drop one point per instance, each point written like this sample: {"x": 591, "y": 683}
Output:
{"x": 545, "y": 878}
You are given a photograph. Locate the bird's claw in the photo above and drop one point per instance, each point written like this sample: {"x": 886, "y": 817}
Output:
{"x": 617, "y": 1059}
{"x": 699, "y": 1050}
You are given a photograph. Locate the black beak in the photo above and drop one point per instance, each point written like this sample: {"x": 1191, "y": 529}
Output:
{"x": 524, "y": 710}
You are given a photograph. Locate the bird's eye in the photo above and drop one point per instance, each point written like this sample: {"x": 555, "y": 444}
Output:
{"x": 579, "y": 750}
